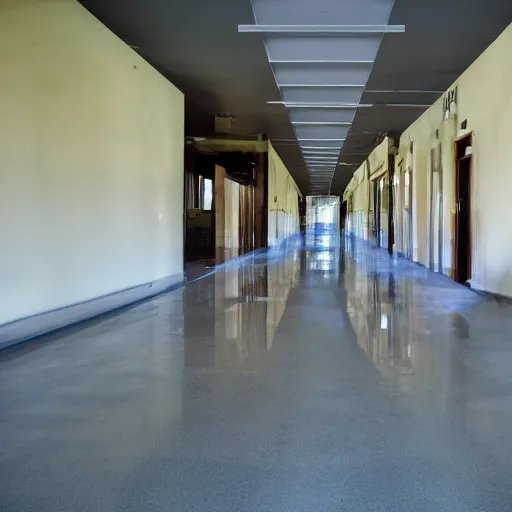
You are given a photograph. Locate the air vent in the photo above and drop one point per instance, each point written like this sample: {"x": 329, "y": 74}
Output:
{"x": 224, "y": 124}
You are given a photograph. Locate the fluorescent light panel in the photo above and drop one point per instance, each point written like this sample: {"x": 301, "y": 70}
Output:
{"x": 320, "y": 160}
{"x": 322, "y": 29}
{"x": 321, "y": 148}
{"x": 317, "y": 161}
{"x": 348, "y": 62}
{"x": 320, "y": 153}
{"x": 399, "y": 91}
{"x": 322, "y": 123}
{"x": 323, "y": 86}
{"x": 293, "y": 104}
{"x": 406, "y": 105}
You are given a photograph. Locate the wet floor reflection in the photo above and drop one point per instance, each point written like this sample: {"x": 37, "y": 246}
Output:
{"x": 441, "y": 344}
{"x": 231, "y": 316}
{"x": 407, "y": 320}
{"x": 332, "y": 375}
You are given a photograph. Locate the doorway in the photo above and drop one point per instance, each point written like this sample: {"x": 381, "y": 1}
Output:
{"x": 376, "y": 211}
{"x": 463, "y": 158}
{"x": 380, "y": 202}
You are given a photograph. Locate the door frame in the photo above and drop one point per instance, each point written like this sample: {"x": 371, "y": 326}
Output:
{"x": 459, "y": 151}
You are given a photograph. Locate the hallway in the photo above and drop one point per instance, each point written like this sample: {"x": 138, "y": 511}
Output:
{"x": 338, "y": 381}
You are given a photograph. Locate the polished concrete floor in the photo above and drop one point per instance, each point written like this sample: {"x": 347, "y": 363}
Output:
{"x": 331, "y": 381}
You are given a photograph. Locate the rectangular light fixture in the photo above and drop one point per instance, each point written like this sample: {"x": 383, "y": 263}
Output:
{"x": 332, "y": 151}
{"x": 405, "y": 105}
{"x": 322, "y": 29}
{"x": 310, "y": 153}
{"x": 323, "y": 86}
{"x": 321, "y": 140}
{"x": 320, "y": 105}
{"x": 322, "y": 123}
{"x": 320, "y": 159}
{"x": 320, "y": 148}
{"x": 402, "y": 91}
{"x": 298, "y": 61}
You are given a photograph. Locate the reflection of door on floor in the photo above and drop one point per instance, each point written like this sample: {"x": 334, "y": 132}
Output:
{"x": 463, "y": 154}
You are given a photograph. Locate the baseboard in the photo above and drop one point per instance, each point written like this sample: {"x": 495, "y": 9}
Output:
{"x": 498, "y": 297}
{"x": 31, "y": 327}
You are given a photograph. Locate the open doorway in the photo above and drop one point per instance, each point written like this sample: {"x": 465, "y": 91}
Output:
{"x": 463, "y": 158}
{"x": 376, "y": 211}
{"x": 379, "y": 215}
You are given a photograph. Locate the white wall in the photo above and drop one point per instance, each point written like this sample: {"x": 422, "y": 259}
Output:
{"x": 485, "y": 101}
{"x": 283, "y": 200}
{"x": 91, "y": 161}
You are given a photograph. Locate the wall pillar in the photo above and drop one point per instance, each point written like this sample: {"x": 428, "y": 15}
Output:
{"x": 261, "y": 202}
{"x": 220, "y": 219}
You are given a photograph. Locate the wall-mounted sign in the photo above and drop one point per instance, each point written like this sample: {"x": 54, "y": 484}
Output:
{"x": 450, "y": 103}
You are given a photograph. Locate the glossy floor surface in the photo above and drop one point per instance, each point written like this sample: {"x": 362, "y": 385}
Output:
{"x": 331, "y": 381}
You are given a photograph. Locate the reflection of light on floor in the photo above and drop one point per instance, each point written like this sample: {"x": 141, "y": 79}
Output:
{"x": 323, "y": 256}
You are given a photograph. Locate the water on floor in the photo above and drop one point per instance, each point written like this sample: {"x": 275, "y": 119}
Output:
{"x": 298, "y": 380}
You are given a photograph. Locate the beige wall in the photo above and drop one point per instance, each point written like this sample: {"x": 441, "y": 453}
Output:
{"x": 231, "y": 214}
{"x": 485, "y": 100}
{"x": 91, "y": 161}
{"x": 283, "y": 206}
{"x": 358, "y": 190}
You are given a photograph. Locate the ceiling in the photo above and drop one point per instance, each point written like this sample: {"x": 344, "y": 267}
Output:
{"x": 197, "y": 45}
